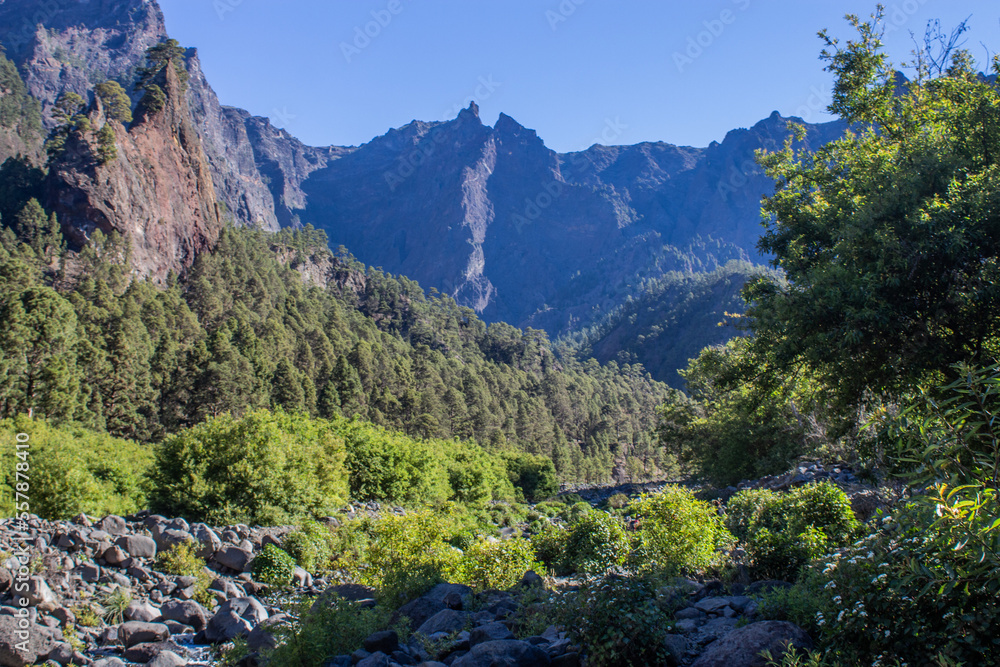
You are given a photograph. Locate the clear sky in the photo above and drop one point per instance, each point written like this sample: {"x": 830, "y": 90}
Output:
{"x": 577, "y": 71}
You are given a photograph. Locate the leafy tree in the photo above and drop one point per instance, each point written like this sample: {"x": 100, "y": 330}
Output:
{"x": 107, "y": 151}
{"x": 68, "y": 106}
{"x": 888, "y": 236}
{"x": 157, "y": 58}
{"x": 42, "y": 232}
{"x": 117, "y": 105}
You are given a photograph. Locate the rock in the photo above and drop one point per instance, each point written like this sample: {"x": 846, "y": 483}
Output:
{"x": 687, "y": 625}
{"x": 108, "y": 662}
{"x": 301, "y": 578}
{"x": 188, "y": 612}
{"x": 145, "y": 652}
{"x": 141, "y": 610}
{"x": 677, "y": 646}
{"x": 90, "y": 572}
{"x": 446, "y": 620}
{"x": 112, "y": 525}
{"x": 689, "y": 612}
{"x": 139, "y": 546}
{"x": 453, "y": 595}
{"x": 262, "y": 637}
{"x": 168, "y": 538}
{"x": 235, "y": 618}
{"x": 64, "y": 654}
{"x": 114, "y": 555}
{"x": 742, "y": 647}
{"x": 377, "y": 659}
{"x": 6, "y": 578}
{"x": 208, "y": 540}
{"x": 711, "y": 605}
{"x": 167, "y": 659}
{"x": 234, "y": 558}
{"x": 532, "y": 579}
{"x": 418, "y": 611}
{"x": 21, "y": 646}
{"x": 385, "y": 641}
{"x": 139, "y": 632}
{"x": 351, "y": 593}
{"x": 40, "y": 595}
{"x": 489, "y": 632}
{"x": 503, "y": 653}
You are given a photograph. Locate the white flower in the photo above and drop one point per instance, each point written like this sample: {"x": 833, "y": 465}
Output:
{"x": 837, "y": 599}
{"x": 832, "y": 584}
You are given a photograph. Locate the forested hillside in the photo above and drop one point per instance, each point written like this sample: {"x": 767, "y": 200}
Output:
{"x": 243, "y": 330}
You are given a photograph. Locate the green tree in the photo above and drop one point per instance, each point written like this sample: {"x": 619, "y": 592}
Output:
{"x": 888, "y": 236}
{"x": 107, "y": 151}
{"x": 157, "y": 58}
{"x": 117, "y": 105}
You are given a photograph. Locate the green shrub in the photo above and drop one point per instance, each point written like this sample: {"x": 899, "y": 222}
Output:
{"x": 403, "y": 556}
{"x": 311, "y": 545}
{"x": 113, "y": 604}
{"x": 595, "y": 544}
{"x": 616, "y": 620}
{"x": 313, "y": 634}
{"x": 273, "y": 566}
{"x": 550, "y": 508}
{"x": 267, "y": 468}
{"x": 73, "y": 470}
{"x": 678, "y": 533}
{"x": 576, "y": 511}
{"x": 549, "y": 545}
{"x": 182, "y": 561}
{"x": 782, "y": 532}
{"x": 497, "y": 565}
{"x": 618, "y": 501}
{"x": 535, "y": 475}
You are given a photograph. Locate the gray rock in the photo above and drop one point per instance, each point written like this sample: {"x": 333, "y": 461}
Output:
{"x": 139, "y": 546}
{"x": 64, "y": 654}
{"x": 235, "y": 618}
{"x": 687, "y": 625}
{"x": 504, "y": 653}
{"x": 689, "y": 612}
{"x": 114, "y": 555}
{"x": 446, "y": 620}
{"x": 418, "y": 611}
{"x": 112, "y": 525}
{"x": 677, "y": 646}
{"x": 108, "y": 662}
{"x": 262, "y": 636}
{"x": 742, "y": 647}
{"x": 141, "y": 610}
{"x": 139, "y": 632}
{"x": 208, "y": 540}
{"x": 385, "y": 641}
{"x": 168, "y": 538}
{"x": 90, "y": 572}
{"x": 489, "y": 632}
{"x": 453, "y": 595}
{"x": 188, "y": 612}
{"x": 20, "y": 646}
{"x": 234, "y": 558}
{"x": 712, "y": 605}
{"x": 6, "y": 579}
{"x": 40, "y": 595}
{"x": 377, "y": 659}
{"x": 145, "y": 652}
{"x": 167, "y": 659}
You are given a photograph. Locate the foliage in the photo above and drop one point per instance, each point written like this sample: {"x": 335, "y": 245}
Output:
{"x": 549, "y": 545}
{"x": 73, "y": 470}
{"x": 18, "y": 109}
{"x": 677, "y": 533}
{"x": 311, "y": 545}
{"x": 107, "y": 151}
{"x": 273, "y": 566}
{"x": 887, "y": 236}
{"x": 534, "y": 475}
{"x": 403, "y": 556}
{"x": 617, "y": 621}
{"x": 618, "y": 501}
{"x": 183, "y": 561}
{"x": 117, "y": 105}
{"x": 782, "y": 532}
{"x": 157, "y": 57}
{"x": 497, "y": 565}
{"x": 738, "y": 424}
{"x": 242, "y": 331}
{"x": 113, "y": 604}
{"x": 595, "y": 544}
{"x": 265, "y": 468}
{"x": 315, "y": 633}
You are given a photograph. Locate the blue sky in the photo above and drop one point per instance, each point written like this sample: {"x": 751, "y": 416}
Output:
{"x": 577, "y": 71}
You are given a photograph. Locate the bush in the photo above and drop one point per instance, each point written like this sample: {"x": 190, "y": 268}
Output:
{"x": 595, "y": 544}
{"x": 535, "y": 475}
{"x": 404, "y": 556}
{"x": 782, "y": 532}
{"x": 497, "y": 565}
{"x": 549, "y": 545}
{"x": 618, "y": 501}
{"x": 273, "y": 566}
{"x": 182, "y": 561}
{"x": 576, "y": 511}
{"x": 678, "y": 533}
{"x": 73, "y": 470}
{"x": 266, "y": 468}
{"x": 311, "y": 545}
{"x": 617, "y": 621}
{"x": 315, "y": 633}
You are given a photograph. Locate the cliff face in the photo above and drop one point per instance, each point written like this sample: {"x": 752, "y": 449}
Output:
{"x": 157, "y": 193}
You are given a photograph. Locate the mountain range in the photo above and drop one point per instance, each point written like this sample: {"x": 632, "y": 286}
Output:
{"x": 488, "y": 215}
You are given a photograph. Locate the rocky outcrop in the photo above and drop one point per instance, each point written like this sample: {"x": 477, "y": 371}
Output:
{"x": 157, "y": 192}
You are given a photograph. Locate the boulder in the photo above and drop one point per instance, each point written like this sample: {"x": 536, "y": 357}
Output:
{"x": 504, "y": 653}
{"x": 489, "y": 632}
{"x": 208, "y": 540}
{"x": 23, "y": 643}
{"x": 742, "y": 647}
{"x": 188, "y": 612}
{"x": 167, "y": 659}
{"x": 234, "y": 558}
{"x": 141, "y": 610}
{"x": 140, "y": 632}
{"x": 139, "y": 546}
{"x": 40, "y": 595}
{"x": 144, "y": 653}
{"x": 385, "y": 641}
{"x": 446, "y": 620}
{"x": 262, "y": 636}
{"x": 112, "y": 525}
{"x": 235, "y": 618}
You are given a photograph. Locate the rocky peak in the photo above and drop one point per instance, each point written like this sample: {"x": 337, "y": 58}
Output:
{"x": 157, "y": 193}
